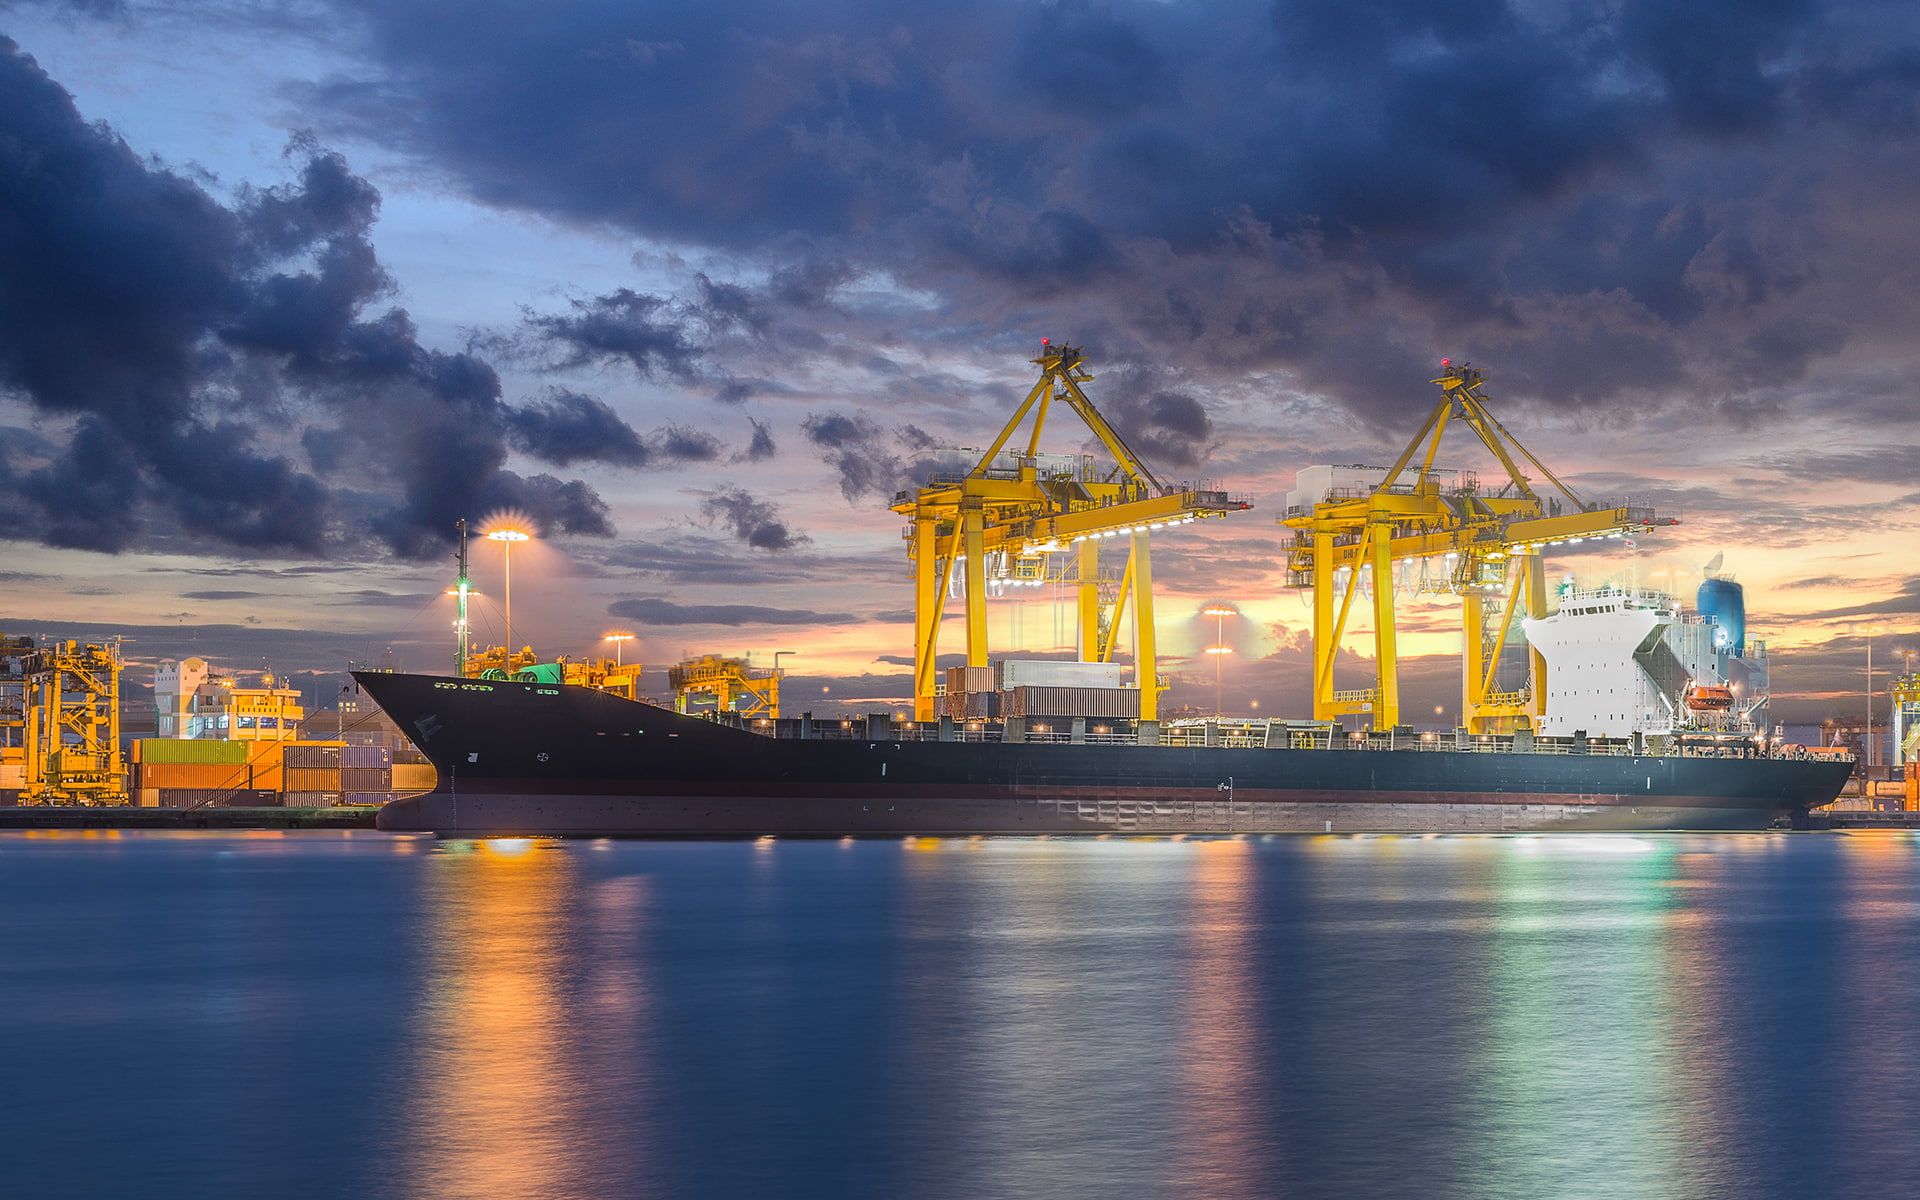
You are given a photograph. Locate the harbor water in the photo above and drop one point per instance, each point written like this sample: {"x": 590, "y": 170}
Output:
{"x": 362, "y": 1014}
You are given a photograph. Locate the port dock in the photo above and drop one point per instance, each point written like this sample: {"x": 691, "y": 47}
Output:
{"x": 351, "y": 816}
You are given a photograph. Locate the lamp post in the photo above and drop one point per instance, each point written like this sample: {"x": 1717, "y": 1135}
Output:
{"x": 619, "y": 641}
{"x": 1219, "y": 649}
{"x": 507, "y": 536}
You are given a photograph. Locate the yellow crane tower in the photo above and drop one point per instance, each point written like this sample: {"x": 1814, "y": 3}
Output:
{"x": 1013, "y": 511}
{"x": 1481, "y": 544}
{"x": 60, "y": 721}
{"x": 727, "y": 681}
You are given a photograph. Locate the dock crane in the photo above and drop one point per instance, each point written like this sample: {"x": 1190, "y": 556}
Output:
{"x": 1016, "y": 509}
{"x": 1483, "y": 545}
{"x": 734, "y": 685}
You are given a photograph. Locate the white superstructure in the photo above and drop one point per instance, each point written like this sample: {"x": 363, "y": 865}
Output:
{"x": 1622, "y": 661}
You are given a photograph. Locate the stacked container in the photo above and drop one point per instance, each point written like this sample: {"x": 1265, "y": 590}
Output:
{"x": 183, "y": 773}
{"x": 366, "y": 773}
{"x": 1070, "y": 702}
{"x": 313, "y": 774}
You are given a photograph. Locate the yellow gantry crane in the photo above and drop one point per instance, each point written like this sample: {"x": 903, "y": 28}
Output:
{"x": 60, "y": 721}
{"x": 727, "y": 681}
{"x": 1448, "y": 535}
{"x": 1015, "y": 509}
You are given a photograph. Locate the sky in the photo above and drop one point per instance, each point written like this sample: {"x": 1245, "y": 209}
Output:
{"x": 286, "y": 289}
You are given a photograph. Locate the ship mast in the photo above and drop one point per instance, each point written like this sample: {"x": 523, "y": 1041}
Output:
{"x": 461, "y": 588}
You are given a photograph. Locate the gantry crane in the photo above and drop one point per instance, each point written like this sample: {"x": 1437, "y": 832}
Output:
{"x": 728, "y": 681}
{"x": 60, "y": 721}
{"x": 1483, "y": 545}
{"x": 1012, "y": 512}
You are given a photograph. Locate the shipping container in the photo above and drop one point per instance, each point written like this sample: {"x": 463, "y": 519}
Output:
{"x": 1054, "y": 673}
{"x": 369, "y": 798}
{"x": 408, "y": 755}
{"x": 312, "y": 754}
{"x": 189, "y": 750}
{"x": 973, "y": 706}
{"x": 414, "y": 777}
{"x": 328, "y": 799}
{"x": 311, "y": 779}
{"x": 211, "y": 798}
{"x": 365, "y": 756}
{"x": 970, "y": 679}
{"x": 366, "y": 779}
{"x": 193, "y": 775}
{"x": 1070, "y": 702}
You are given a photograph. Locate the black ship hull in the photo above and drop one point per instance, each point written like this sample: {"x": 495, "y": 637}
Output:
{"x": 523, "y": 758}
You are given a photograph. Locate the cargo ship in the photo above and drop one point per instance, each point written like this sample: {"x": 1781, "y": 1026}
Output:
{"x": 519, "y": 757}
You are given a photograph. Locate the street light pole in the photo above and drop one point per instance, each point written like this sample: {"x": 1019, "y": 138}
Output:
{"x": 507, "y": 537}
{"x": 1219, "y": 649}
{"x": 619, "y": 641}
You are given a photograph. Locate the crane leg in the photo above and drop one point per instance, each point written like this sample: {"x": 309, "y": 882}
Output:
{"x": 973, "y": 534}
{"x": 1326, "y": 639}
{"x": 1473, "y": 660}
{"x": 1536, "y": 581}
{"x": 1088, "y": 554}
{"x": 1386, "y": 705}
{"x": 1145, "y": 666}
{"x": 926, "y": 616}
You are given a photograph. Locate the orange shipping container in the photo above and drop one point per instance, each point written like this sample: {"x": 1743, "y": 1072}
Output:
{"x": 414, "y": 777}
{"x": 194, "y": 775}
{"x": 311, "y": 779}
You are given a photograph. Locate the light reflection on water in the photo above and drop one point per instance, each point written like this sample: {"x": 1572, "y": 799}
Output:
{"x": 1647, "y": 1016}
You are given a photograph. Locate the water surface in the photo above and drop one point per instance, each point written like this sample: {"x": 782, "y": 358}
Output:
{"x": 230, "y": 1014}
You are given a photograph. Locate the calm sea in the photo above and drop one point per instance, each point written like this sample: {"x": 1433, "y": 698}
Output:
{"x": 258, "y": 1015}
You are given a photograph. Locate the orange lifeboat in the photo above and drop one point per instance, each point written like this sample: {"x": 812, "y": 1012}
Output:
{"x": 1709, "y": 697}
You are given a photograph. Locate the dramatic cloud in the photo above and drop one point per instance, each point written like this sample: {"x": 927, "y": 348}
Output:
{"x": 656, "y": 611}
{"x": 149, "y": 318}
{"x": 753, "y": 521}
{"x": 626, "y": 326}
{"x": 870, "y": 461}
{"x": 1624, "y": 202}
{"x": 688, "y": 445}
{"x": 565, "y": 427}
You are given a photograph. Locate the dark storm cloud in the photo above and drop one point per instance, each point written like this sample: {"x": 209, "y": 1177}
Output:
{"x": 870, "y": 460}
{"x": 218, "y": 595}
{"x": 153, "y": 318}
{"x": 1605, "y": 202}
{"x": 1166, "y": 427}
{"x": 656, "y": 611}
{"x": 644, "y": 331}
{"x": 566, "y": 427}
{"x": 752, "y": 520}
{"x": 685, "y": 444}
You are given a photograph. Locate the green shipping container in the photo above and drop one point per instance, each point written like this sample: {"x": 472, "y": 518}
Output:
{"x": 189, "y": 750}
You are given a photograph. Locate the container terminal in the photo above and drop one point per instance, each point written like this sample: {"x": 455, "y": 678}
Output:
{"x": 1605, "y": 672}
